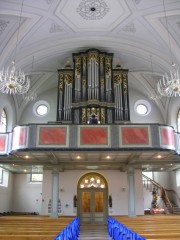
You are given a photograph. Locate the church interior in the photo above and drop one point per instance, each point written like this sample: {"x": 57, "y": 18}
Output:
{"x": 90, "y": 116}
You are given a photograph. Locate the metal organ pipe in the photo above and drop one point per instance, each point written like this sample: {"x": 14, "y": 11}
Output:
{"x": 96, "y": 82}
{"x": 93, "y": 80}
{"x": 67, "y": 101}
{"x": 93, "y": 76}
{"x": 89, "y": 81}
{"x": 60, "y": 105}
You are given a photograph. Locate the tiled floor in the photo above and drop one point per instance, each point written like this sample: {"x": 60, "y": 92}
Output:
{"x": 93, "y": 232}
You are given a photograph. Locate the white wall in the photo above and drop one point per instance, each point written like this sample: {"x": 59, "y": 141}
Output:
{"x": 28, "y": 115}
{"x": 163, "y": 178}
{"x": 23, "y": 196}
{"x": 174, "y": 179}
{"x": 6, "y": 197}
{"x": 173, "y": 108}
{"x": 154, "y": 116}
{"x": 117, "y": 188}
{"x": 27, "y": 197}
{"x": 139, "y": 192}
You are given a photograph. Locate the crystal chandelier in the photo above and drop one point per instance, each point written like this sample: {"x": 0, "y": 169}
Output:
{"x": 14, "y": 81}
{"x": 30, "y": 95}
{"x": 169, "y": 85}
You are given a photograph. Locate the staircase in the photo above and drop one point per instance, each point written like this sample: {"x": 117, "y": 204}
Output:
{"x": 94, "y": 232}
{"x": 169, "y": 197}
{"x": 173, "y": 208}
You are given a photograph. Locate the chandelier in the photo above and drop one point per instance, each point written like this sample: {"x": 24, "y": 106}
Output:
{"x": 30, "y": 95}
{"x": 169, "y": 85}
{"x": 14, "y": 81}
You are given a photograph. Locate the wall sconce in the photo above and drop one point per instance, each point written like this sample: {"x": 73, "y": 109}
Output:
{"x": 75, "y": 201}
{"x": 110, "y": 201}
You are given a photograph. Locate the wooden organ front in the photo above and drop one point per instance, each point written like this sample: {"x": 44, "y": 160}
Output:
{"x": 90, "y": 87}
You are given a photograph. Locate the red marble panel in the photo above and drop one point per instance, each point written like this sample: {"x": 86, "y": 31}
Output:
{"x": 94, "y": 136}
{"x": 2, "y": 143}
{"x": 167, "y": 136}
{"x": 135, "y": 136}
{"x": 52, "y": 136}
{"x": 19, "y": 136}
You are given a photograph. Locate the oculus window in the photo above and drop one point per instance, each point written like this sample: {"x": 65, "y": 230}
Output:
{"x": 41, "y": 108}
{"x": 142, "y": 107}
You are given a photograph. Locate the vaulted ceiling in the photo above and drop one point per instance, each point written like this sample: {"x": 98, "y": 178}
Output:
{"x": 41, "y": 36}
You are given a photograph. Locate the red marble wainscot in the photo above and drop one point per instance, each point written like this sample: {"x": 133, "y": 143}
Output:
{"x": 2, "y": 143}
{"x": 19, "y": 137}
{"x": 135, "y": 135}
{"x": 167, "y": 136}
{"x": 52, "y": 135}
{"x": 94, "y": 136}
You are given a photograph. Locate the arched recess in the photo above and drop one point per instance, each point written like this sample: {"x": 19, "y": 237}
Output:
{"x": 92, "y": 200}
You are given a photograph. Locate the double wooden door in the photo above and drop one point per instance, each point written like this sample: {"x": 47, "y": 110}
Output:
{"x": 92, "y": 206}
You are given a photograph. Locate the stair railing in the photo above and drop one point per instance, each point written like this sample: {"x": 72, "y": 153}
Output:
{"x": 163, "y": 192}
{"x": 176, "y": 197}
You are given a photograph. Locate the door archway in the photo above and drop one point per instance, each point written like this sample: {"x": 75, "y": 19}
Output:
{"x": 92, "y": 191}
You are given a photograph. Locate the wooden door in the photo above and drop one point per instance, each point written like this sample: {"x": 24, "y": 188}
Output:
{"x": 93, "y": 206}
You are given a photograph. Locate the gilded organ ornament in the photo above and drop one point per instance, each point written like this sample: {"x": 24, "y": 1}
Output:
{"x": 117, "y": 78}
{"x": 61, "y": 82}
{"x": 96, "y": 87}
{"x": 108, "y": 66}
{"x": 125, "y": 83}
{"x": 68, "y": 79}
{"x": 78, "y": 70}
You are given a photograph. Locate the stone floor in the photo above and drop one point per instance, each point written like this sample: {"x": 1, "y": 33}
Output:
{"x": 94, "y": 232}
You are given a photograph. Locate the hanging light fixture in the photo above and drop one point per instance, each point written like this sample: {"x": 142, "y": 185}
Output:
{"x": 30, "y": 95}
{"x": 14, "y": 81}
{"x": 169, "y": 85}
{"x": 155, "y": 96}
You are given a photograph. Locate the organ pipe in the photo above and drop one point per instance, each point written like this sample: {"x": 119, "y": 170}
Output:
{"x": 93, "y": 86}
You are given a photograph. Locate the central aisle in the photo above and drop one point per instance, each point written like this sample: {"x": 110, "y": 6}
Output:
{"x": 93, "y": 232}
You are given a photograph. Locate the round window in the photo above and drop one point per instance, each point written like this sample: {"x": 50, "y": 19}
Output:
{"x": 41, "y": 108}
{"x": 142, "y": 107}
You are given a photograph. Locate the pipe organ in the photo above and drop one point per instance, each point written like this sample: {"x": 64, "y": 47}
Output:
{"x": 92, "y": 86}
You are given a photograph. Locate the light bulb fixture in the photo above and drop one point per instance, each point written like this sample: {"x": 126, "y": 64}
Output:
{"x": 14, "y": 81}
{"x": 154, "y": 96}
{"x": 169, "y": 85}
{"x": 30, "y": 95}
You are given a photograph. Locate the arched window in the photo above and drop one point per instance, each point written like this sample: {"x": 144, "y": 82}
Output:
{"x": 92, "y": 180}
{"x": 3, "y": 122}
{"x": 178, "y": 121}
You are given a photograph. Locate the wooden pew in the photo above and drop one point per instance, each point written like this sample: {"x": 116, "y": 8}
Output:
{"x": 153, "y": 227}
{"x": 31, "y": 227}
